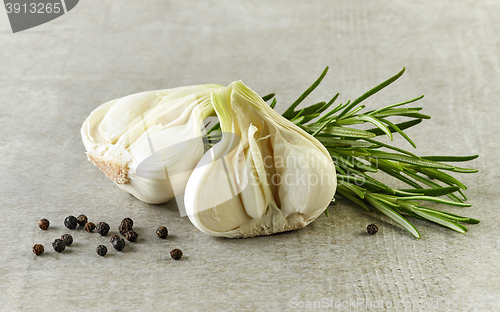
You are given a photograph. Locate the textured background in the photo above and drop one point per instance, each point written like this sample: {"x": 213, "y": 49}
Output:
{"x": 54, "y": 75}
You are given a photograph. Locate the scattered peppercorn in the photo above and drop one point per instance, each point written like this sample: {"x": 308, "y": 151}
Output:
{"x": 372, "y": 229}
{"x": 81, "y": 220}
{"x": 102, "y": 250}
{"x": 162, "y": 232}
{"x": 131, "y": 236}
{"x": 44, "y": 224}
{"x": 89, "y": 227}
{"x": 58, "y": 245}
{"x": 102, "y": 228}
{"x": 129, "y": 221}
{"x": 67, "y": 239}
{"x": 124, "y": 228}
{"x": 38, "y": 249}
{"x": 118, "y": 244}
{"x": 70, "y": 222}
{"x": 113, "y": 238}
{"x": 176, "y": 254}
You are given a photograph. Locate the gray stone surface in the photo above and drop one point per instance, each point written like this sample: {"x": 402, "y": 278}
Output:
{"x": 54, "y": 75}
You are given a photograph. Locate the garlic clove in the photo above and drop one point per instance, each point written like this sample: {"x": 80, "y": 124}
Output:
{"x": 252, "y": 194}
{"x": 124, "y": 112}
{"x": 219, "y": 210}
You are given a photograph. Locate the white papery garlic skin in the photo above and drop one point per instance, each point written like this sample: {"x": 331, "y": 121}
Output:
{"x": 161, "y": 129}
{"x": 258, "y": 180}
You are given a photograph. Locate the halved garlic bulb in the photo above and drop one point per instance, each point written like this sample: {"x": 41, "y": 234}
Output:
{"x": 148, "y": 143}
{"x": 265, "y": 176}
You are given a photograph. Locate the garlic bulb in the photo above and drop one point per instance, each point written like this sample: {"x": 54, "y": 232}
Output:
{"x": 265, "y": 176}
{"x": 148, "y": 143}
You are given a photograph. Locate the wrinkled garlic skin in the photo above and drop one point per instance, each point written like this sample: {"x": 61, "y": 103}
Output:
{"x": 148, "y": 143}
{"x": 265, "y": 176}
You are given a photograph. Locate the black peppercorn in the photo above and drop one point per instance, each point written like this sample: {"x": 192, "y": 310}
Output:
{"x": 67, "y": 239}
{"x": 176, "y": 254}
{"x": 118, "y": 244}
{"x": 89, "y": 227}
{"x": 124, "y": 228}
{"x": 81, "y": 220}
{"x": 38, "y": 249}
{"x": 102, "y": 228}
{"x": 372, "y": 229}
{"x": 113, "y": 238}
{"x": 129, "y": 221}
{"x": 131, "y": 236}
{"x": 58, "y": 245}
{"x": 102, "y": 250}
{"x": 44, "y": 224}
{"x": 162, "y": 232}
{"x": 70, "y": 222}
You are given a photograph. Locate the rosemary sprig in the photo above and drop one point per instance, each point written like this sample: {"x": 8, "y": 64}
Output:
{"x": 357, "y": 155}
